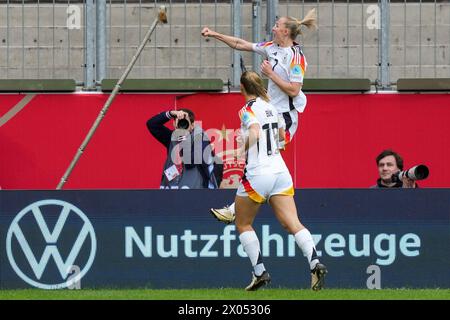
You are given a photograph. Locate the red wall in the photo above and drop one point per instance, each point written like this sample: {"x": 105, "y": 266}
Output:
{"x": 335, "y": 147}
{"x": 7, "y": 101}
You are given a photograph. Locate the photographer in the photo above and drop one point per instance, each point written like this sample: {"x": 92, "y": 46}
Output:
{"x": 389, "y": 163}
{"x": 190, "y": 159}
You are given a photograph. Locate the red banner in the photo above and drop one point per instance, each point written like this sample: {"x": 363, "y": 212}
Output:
{"x": 340, "y": 135}
{"x": 338, "y": 138}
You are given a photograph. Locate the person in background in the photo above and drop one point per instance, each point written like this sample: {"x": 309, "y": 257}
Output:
{"x": 390, "y": 162}
{"x": 190, "y": 159}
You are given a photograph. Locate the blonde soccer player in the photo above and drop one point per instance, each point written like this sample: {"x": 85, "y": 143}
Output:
{"x": 267, "y": 179}
{"x": 285, "y": 66}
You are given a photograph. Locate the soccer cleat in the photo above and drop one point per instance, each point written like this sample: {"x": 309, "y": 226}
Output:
{"x": 318, "y": 277}
{"x": 223, "y": 215}
{"x": 258, "y": 281}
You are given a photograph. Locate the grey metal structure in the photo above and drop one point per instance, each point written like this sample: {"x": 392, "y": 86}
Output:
{"x": 380, "y": 40}
{"x": 100, "y": 65}
{"x": 272, "y": 16}
{"x": 89, "y": 73}
{"x": 237, "y": 33}
{"x": 383, "y": 55}
{"x": 256, "y": 32}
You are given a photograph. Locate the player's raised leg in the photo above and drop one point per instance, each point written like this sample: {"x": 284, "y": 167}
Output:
{"x": 225, "y": 214}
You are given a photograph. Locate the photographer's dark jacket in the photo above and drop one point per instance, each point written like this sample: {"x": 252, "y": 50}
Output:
{"x": 398, "y": 184}
{"x": 197, "y": 172}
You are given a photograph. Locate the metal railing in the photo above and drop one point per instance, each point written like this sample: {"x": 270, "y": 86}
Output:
{"x": 90, "y": 40}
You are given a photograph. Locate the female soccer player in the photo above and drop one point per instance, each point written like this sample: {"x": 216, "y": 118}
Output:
{"x": 267, "y": 179}
{"x": 285, "y": 66}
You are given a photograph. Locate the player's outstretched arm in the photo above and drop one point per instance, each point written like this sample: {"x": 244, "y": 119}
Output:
{"x": 232, "y": 42}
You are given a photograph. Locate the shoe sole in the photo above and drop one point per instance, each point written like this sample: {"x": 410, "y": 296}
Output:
{"x": 217, "y": 215}
{"x": 258, "y": 285}
{"x": 320, "y": 280}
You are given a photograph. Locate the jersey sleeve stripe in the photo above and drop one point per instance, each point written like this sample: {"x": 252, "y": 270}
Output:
{"x": 303, "y": 64}
{"x": 298, "y": 59}
{"x": 249, "y": 110}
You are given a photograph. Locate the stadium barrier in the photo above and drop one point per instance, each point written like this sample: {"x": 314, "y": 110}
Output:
{"x": 423, "y": 84}
{"x": 332, "y": 85}
{"x": 167, "y": 239}
{"x": 174, "y": 85}
{"x": 164, "y": 85}
{"x": 38, "y": 85}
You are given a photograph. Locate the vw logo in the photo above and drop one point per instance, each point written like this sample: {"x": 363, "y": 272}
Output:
{"x": 32, "y": 223}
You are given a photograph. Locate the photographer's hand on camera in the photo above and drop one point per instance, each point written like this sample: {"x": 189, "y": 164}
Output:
{"x": 408, "y": 183}
{"x": 179, "y": 114}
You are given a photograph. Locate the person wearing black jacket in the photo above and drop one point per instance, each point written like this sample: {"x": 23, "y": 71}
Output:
{"x": 190, "y": 158}
{"x": 390, "y": 162}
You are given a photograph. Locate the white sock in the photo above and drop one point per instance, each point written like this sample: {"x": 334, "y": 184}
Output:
{"x": 232, "y": 208}
{"x": 250, "y": 242}
{"x": 306, "y": 243}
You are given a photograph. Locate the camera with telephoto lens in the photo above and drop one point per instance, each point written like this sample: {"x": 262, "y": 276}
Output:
{"x": 418, "y": 172}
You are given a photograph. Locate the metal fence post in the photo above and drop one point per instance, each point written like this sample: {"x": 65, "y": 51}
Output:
{"x": 384, "y": 64}
{"x": 256, "y": 32}
{"x": 89, "y": 73}
{"x": 272, "y": 16}
{"x": 236, "y": 33}
{"x": 101, "y": 40}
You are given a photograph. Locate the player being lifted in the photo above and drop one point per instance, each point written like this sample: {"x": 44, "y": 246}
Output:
{"x": 285, "y": 66}
{"x": 267, "y": 179}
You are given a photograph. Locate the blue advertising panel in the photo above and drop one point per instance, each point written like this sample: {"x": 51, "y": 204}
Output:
{"x": 168, "y": 239}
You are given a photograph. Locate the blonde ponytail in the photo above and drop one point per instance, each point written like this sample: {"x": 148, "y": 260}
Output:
{"x": 294, "y": 25}
{"x": 310, "y": 20}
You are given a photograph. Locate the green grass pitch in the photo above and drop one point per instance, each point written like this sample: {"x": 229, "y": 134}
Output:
{"x": 226, "y": 294}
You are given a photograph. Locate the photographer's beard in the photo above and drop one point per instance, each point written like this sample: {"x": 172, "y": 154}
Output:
{"x": 386, "y": 179}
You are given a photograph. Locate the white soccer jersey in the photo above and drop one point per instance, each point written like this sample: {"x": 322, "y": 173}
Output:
{"x": 290, "y": 65}
{"x": 264, "y": 156}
